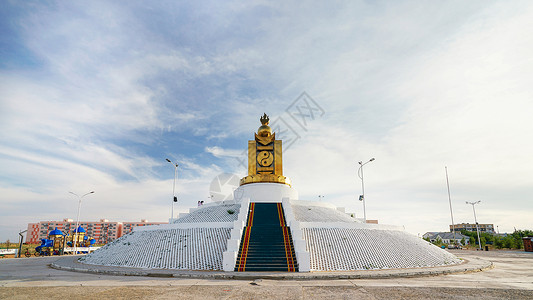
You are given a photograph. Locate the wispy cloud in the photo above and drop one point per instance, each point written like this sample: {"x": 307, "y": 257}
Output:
{"x": 220, "y": 152}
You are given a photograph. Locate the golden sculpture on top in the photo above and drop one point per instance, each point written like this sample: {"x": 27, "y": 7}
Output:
{"x": 265, "y": 157}
{"x": 264, "y": 133}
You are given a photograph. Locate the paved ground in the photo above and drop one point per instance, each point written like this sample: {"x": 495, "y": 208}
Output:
{"x": 511, "y": 278}
{"x": 475, "y": 264}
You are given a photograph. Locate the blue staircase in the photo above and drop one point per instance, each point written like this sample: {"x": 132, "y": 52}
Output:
{"x": 266, "y": 243}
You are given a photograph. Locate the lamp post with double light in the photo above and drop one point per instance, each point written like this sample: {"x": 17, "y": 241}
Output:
{"x": 76, "y": 230}
{"x": 475, "y": 219}
{"x": 360, "y": 174}
{"x": 174, "y": 198}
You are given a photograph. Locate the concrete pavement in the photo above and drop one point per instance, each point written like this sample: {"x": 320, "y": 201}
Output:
{"x": 510, "y": 278}
{"x": 472, "y": 264}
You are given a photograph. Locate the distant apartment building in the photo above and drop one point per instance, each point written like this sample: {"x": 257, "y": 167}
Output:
{"x": 32, "y": 234}
{"x": 103, "y": 231}
{"x": 128, "y": 227}
{"x": 489, "y": 228}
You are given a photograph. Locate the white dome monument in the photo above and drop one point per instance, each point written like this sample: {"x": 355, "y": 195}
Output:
{"x": 267, "y": 228}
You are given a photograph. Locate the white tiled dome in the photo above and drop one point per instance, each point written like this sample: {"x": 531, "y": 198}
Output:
{"x": 334, "y": 241}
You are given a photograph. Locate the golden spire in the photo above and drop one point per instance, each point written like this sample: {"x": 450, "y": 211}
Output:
{"x": 264, "y": 131}
{"x": 264, "y": 119}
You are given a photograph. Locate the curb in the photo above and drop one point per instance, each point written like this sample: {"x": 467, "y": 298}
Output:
{"x": 474, "y": 264}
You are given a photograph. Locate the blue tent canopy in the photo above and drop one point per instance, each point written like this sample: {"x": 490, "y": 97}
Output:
{"x": 79, "y": 229}
{"x": 56, "y": 232}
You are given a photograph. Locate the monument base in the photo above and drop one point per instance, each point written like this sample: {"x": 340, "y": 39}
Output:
{"x": 265, "y": 192}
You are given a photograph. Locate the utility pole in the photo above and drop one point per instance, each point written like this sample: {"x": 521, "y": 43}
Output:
{"x": 450, "y": 200}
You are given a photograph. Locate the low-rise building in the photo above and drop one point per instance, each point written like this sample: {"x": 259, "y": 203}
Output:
{"x": 489, "y": 228}
{"x": 528, "y": 244}
{"x": 429, "y": 234}
{"x": 447, "y": 238}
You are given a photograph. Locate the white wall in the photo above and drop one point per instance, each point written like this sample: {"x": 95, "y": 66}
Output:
{"x": 265, "y": 192}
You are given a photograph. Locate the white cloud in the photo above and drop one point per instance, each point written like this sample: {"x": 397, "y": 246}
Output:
{"x": 220, "y": 152}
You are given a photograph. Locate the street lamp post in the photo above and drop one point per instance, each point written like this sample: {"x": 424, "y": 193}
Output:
{"x": 80, "y": 198}
{"x": 475, "y": 219}
{"x": 20, "y": 242}
{"x": 360, "y": 174}
{"x": 174, "y": 198}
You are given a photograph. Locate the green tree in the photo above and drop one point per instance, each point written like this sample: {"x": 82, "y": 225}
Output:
{"x": 489, "y": 238}
{"x": 511, "y": 241}
{"x": 518, "y": 243}
{"x": 498, "y": 242}
{"x": 507, "y": 242}
{"x": 517, "y": 235}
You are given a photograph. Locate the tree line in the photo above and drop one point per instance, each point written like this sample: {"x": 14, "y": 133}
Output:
{"x": 510, "y": 240}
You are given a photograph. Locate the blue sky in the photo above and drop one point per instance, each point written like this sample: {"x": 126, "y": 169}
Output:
{"x": 95, "y": 96}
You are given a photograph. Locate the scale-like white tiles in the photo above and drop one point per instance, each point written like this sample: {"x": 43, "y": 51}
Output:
{"x": 182, "y": 249}
{"x": 212, "y": 213}
{"x": 194, "y": 242}
{"x": 337, "y": 242}
{"x": 334, "y": 240}
{"x": 308, "y": 213}
{"x": 362, "y": 249}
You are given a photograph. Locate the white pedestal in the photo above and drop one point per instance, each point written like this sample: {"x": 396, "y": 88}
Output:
{"x": 265, "y": 192}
